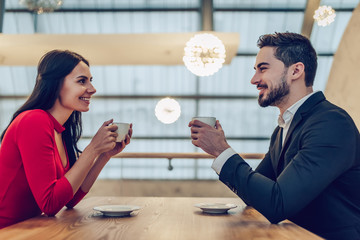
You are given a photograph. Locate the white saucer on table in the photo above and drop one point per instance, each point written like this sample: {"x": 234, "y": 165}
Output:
{"x": 217, "y": 208}
{"x": 116, "y": 210}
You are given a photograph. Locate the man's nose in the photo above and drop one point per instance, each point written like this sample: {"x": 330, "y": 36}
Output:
{"x": 255, "y": 79}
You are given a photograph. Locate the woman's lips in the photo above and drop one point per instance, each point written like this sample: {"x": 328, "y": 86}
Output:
{"x": 85, "y": 99}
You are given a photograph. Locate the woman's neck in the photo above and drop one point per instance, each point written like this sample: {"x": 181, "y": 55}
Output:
{"x": 59, "y": 113}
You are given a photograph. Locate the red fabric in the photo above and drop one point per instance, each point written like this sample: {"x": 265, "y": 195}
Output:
{"x": 32, "y": 178}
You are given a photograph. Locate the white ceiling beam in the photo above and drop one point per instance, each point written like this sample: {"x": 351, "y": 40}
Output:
{"x": 107, "y": 49}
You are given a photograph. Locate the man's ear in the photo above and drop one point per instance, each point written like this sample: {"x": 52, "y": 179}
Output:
{"x": 297, "y": 70}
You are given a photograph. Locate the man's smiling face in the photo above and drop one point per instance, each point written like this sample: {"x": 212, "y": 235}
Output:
{"x": 270, "y": 78}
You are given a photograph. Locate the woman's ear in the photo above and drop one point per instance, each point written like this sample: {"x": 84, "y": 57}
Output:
{"x": 297, "y": 70}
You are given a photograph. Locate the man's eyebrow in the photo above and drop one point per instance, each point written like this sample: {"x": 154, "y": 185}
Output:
{"x": 260, "y": 64}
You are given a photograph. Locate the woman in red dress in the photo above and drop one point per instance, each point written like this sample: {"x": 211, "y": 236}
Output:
{"x": 41, "y": 168}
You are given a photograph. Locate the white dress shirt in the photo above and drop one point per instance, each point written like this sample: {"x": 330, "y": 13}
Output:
{"x": 283, "y": 121}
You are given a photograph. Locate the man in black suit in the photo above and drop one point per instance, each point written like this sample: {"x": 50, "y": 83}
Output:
{"x": 311, "y": 173}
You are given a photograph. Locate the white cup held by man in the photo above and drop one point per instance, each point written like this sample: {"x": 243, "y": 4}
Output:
{"x": 122, "y": 131}
{"x": 208, "y": 120}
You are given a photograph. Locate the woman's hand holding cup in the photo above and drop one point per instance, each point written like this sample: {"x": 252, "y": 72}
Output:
{"x": 124, "y": 133}
{"x": 111, "y": 136}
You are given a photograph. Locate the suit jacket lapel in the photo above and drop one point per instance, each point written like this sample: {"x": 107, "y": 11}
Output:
{"x": 304, "y": 109}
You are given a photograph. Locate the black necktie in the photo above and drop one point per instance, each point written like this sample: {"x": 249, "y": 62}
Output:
{"x": 278, "y": 143}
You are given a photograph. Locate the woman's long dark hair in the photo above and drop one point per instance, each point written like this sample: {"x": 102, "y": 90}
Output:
{"x": 53, "y": 67}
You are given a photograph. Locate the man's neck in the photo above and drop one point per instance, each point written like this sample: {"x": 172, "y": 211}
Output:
{"x": 292, "y": 98}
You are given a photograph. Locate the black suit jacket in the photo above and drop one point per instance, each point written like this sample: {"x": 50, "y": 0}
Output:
{"x": 315, "y": 180}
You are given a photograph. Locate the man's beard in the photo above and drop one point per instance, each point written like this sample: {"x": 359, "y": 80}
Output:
{"x": 276, "y": 95}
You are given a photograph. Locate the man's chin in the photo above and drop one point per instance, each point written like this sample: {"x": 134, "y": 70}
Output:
{"x": 263, "y": 101}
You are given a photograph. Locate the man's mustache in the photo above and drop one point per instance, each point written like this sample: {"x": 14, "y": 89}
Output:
{"x": 262, "y": 86}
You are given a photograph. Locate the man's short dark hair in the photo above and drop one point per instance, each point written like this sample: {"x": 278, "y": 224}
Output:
{"x": 292, "y": 48}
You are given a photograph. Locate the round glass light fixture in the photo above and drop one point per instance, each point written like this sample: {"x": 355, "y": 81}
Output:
{"x": 41, "y": 6}
{"x": 167, "y": 110}
{"x": 324, "y": 15}
{"x": 204, "y": 54}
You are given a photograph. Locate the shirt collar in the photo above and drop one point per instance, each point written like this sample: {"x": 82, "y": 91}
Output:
{"x": 58, "y": 127}
{"x": 290, "y": 112}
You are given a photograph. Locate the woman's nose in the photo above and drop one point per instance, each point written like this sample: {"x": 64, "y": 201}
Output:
{"x": 91, "y": 89}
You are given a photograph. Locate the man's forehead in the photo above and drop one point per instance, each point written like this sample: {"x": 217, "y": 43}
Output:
{"x": 265, "y": 55}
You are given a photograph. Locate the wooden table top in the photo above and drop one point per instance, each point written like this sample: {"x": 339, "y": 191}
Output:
{"x": 159, "y": 218}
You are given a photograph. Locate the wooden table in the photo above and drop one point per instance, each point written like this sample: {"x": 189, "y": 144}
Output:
{"x": 159, "y": 218}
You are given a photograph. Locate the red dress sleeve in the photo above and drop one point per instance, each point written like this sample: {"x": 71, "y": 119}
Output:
{"x": 35, "y": 139}
{"x": 76, "y": 199}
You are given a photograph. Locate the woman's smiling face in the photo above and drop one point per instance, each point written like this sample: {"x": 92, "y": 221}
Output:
{"x": 77, "y": 89}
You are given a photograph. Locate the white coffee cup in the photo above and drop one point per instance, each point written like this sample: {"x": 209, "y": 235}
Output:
{"x": 122, "y": 131}
{"x": 208, "y": 120}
